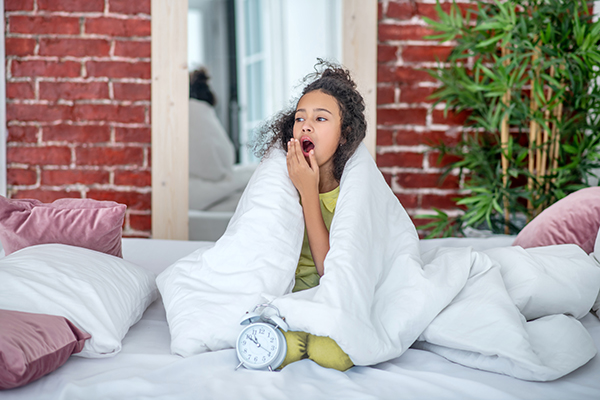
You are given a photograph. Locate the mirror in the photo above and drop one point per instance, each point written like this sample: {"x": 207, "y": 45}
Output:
{"x": 255, "y": 54}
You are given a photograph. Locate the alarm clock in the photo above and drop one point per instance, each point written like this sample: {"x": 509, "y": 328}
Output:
{"x": 261, "y": 345}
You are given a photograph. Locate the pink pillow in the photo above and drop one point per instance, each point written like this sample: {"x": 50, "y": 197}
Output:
{"x": 95, "y": 225}
{"x": 574, "y": 219}
{"x": 33, "y": 345}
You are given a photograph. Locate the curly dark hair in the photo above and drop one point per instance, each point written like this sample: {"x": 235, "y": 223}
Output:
{"x": 335, "y": 81}
{"x": 199, "y": 88}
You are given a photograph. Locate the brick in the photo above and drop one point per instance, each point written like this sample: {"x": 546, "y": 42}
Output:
{"x": 62, "y": 47}
{"x": 20, "y": 90}
{"x": 73, "y": 90}
{"x": 425, "y": 53}
{"x": 388, "y": 178}
{"x": 118, "y": 26}
{"x": 391, "y": 116}
{"x": 132, "y": 48}
{"x": 402, "y": 75}
{"x": 21, "y": 176}
{"x": 109, "y": 112}
{"x": 118, "y": 69}
{"x": 19, "y": 46}
{"x": 385, "y": 137}
{"x": 129, "y": 7}
{"x": 109, "y": 156}
{"x": 425, "y": 180}
{"x": 451, "y": 119}
{"x": 139, "y": 222}
{"x": 414, "y": 94}
{"x": 434, "y": 138}
{"x": 57, "y": 177}
{"x": 45, "y": 195}
{"x": 408, "y": 200}
{"x": 133, "y": 200}
{"x": 37, "y": 112}
{"x": 386, "y": 53}
{"x": 131, "y": 91}
{"x": 388, "y": 32}
{"x": 385, "y": 94}
{"x": 444, "y": 202}
{"x": 44, "y": 24}
{"x": 429, "y": 9}
{"x": 400, "y": 10}
{"x": 18, "y": 5}
{"x": 379, "y": 11}
{"x": 71, "y": 5}
{"x": 133, "y": 135}
{"x": 408, "y": 138}
{"x": 76, "y": 133}
{"x": 435, "y": 161}
{"x": 48, "y": 155}
{"x": 22, "y": 134}
{"x": 400, "y": 159}
{"x": 59, "y": 69}
{"x": 133, "y": 178}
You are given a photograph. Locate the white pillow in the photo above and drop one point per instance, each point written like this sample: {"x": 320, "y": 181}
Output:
{"x": 101, "y": 294}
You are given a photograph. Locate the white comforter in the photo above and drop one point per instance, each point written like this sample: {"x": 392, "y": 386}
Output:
{"x": 378, "y": 296}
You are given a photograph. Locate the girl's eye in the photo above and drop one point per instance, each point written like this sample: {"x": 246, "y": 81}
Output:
{"x": 299, "y": 119}
{"x": 321, "y": 119}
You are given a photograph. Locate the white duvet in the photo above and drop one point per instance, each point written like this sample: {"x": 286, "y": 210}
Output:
{"x": 506, "y": 310}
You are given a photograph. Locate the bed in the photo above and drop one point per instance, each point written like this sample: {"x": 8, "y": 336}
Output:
{"x": 145, "y": 367}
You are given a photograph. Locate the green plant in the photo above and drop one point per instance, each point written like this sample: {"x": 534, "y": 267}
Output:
{"x": 526, "y": 72}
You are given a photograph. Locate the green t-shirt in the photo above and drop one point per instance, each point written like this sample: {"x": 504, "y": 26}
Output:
{"x": 306, "y": 272}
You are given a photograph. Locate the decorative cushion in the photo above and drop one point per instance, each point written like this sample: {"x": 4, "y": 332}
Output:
{"x": 93, "y": 224}
{"x": 574, "y": 219}
{"x": 33, "y": 345}
{"x": 101, "y": 294}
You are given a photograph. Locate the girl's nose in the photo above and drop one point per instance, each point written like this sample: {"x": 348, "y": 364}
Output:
{"x": 306, "y": 127}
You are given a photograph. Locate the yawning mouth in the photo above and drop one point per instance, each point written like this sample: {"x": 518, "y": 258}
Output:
{"x": 307, "y": 145}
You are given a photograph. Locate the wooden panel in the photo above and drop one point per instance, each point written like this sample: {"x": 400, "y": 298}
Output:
{"x": 359, "y": 54}
{"x": 169, "y": 120}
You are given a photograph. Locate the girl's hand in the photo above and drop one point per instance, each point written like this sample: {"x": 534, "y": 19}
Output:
{"x": 304, "y": 174}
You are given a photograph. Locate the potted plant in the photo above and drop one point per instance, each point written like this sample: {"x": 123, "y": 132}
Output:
{"x": 526, "y": 73}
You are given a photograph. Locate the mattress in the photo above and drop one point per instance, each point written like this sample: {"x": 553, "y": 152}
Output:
{"x": 145, "y": 368}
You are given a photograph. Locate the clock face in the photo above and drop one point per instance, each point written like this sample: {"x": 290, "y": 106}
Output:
{"x": 260, "y": 345}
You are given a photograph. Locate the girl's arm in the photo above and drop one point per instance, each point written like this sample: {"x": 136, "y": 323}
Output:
{"x": 305, "y": 178}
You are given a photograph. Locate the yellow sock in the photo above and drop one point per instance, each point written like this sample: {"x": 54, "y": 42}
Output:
{"x": 296, "y": 347}
{"x": 325, "y": 351}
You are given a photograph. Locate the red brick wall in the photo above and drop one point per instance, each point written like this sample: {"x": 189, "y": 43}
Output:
{"x": 78, "y": 102}
{"x": 407, "y": 122}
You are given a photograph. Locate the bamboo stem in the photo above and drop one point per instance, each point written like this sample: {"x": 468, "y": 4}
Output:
{"x": 504, "y": 136}
{"x": 534, "y": 127}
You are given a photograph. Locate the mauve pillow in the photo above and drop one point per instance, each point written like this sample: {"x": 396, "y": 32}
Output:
{"x": 95, "y": 225}
{"x": 33, "y": 345}
{"x": 573, "y": 219}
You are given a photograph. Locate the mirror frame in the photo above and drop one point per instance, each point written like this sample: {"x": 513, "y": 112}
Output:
{"x": 169, "y": 113}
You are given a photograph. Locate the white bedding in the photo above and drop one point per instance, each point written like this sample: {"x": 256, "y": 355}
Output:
{"x": 512, "y": 311}
{"x": 146, "y": 369}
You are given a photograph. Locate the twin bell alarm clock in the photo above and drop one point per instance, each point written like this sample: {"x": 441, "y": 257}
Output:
{"x": 261, "y": 345}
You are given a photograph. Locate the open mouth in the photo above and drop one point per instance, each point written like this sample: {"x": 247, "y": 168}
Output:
{"x": 307, "y": 145}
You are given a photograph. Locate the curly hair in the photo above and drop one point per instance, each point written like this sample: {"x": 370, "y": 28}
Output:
{"x": 199, "y": 88}
{"x": 335, "y": 81}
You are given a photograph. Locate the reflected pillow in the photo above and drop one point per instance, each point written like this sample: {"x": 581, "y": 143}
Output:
{"x": 33, "y": 345}
{"x": 574, "y": 219}
{"x": 93, "y": 224}
{"x": 101, "y": 294}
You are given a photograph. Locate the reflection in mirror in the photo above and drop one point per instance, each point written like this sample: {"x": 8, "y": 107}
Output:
{"x": 255, "y": 53}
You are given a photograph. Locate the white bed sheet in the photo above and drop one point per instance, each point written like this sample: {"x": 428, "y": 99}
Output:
{"x": 146, "y": 369}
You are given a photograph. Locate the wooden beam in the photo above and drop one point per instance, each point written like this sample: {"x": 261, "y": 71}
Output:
{"x": 359, "y": 55}
{"x": 169, "y": 120}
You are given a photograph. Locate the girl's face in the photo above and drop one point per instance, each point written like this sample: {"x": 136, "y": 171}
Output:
{"x": 318, "y": 126}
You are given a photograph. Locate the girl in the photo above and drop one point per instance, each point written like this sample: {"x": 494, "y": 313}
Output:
{"x": 319, "y": 135}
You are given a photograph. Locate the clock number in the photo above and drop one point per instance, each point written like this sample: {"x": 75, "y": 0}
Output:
{"x": 272, "y": 347}
{"x": 261, "y": 331}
